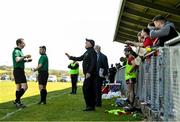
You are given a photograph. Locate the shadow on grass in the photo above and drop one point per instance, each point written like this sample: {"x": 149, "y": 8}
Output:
{"x": 8, "y": 107}
{"x": 61, "y": 106}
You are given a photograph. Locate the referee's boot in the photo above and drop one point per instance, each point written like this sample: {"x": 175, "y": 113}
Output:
{"x": 19, "y": 104}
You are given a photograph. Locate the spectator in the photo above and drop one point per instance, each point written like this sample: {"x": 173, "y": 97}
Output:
{"x": 74, "y": 72}
{"x": 102, "y": 73}
{"x": 147, "y": 42}
{"x": 143, "y": 38}
{"x": 130, "y": 75}
{"x": 123, "y": 60}
{"x": 163, "y": 29}
{"x": 118, "y": 65}
{"x": 112, "y": 73}
{"x": 143, "y": 46}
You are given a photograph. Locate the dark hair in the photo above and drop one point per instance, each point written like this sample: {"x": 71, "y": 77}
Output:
{"x": 19, "y": 41}
{"x": 133, "y": 53}
{"x": 118, "y": 65}
{"x": 122, "y": 59}
{"x": 159, "y": 17}
{"x": 151, "y": 24}
{"x": 146, "y": 30}
{"x": 43, "y": 47}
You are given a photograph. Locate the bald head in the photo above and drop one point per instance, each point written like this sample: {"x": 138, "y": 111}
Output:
{"x": 97, "y": 48}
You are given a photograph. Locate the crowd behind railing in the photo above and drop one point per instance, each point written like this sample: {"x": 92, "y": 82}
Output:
{"x": 158, "y": 82}
{"x": 150, "y": 73}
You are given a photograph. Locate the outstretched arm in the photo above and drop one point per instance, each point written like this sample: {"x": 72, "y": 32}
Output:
{"x": 75, "y": 58}
{"x": 136, "y": 44}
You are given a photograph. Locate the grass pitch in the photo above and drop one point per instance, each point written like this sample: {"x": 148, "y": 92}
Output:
{"x": 61, "y": 106}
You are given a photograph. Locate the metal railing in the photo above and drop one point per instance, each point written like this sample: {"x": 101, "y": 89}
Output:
{"x": 159, "y": 81}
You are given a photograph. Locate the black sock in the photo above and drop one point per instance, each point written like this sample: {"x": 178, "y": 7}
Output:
{"x": 21, "y": 92}
{"x": 43, "y": 95}
{"x": 17, "y": 96}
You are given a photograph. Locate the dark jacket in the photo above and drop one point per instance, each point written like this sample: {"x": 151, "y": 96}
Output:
{"x": 102, "y": 62}
{"x": 89, "y": 59}
{"x": 164, "y": 34}
{"x": 171, "y": 35}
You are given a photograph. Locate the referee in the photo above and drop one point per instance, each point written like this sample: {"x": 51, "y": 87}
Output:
{"x": 18, "y": 71}
{"x": 43, "y": 74}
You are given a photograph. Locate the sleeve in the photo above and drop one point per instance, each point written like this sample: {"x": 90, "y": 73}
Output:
{"x": 161, "y": 32}
{"x": 75, "y": 67}
{"x": 76, "y": 58}
{"x": 69, "y": 66}
{"x": 106, "y": 66}
{"x": 41, "y": 60}
{"x": 17, "y": 54}
{"x": 147, "y": 42}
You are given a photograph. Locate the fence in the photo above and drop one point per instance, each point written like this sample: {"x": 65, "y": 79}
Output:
{"x": 159, "y": 82}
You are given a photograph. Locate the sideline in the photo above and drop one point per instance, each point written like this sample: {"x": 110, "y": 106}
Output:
{"x": 11, "y": 113}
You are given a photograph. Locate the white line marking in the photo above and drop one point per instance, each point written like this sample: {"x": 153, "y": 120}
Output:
{"x": 11, "y": 113}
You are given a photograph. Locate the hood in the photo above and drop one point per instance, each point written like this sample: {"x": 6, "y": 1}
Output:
{"x": 169, "y": 24}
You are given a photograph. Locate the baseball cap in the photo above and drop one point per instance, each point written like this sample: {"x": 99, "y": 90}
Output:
{"x": 91, "y": 41}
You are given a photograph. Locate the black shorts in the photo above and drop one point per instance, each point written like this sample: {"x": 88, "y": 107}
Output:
{"x": 43, "y": 77}
{"x": 19, "y": 76}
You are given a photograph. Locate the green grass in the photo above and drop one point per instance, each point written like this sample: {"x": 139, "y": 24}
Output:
{"x": 8, "y": 88}
{"x": 61, "y": 106}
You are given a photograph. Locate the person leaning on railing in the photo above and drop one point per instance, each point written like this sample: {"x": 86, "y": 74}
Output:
{"x": 162, "y": 29}
{"x": 130, "y": 75}
{"x": 142, "y": 47}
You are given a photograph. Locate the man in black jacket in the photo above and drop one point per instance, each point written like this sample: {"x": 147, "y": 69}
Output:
{"x": 89, "y": 59}
{"x": 102, "y": 73}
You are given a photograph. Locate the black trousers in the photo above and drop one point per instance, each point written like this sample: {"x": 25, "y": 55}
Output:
{"x": 89, "y": 91}
{"x": 112, "y": 78}
{"x": 74, "y": 79}
{"x": 99, "y": 82}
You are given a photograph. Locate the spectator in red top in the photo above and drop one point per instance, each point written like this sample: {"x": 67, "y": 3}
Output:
{"x": 146, "y": 39}
{"x": 142, "y": 46}
{"x": 143, "y": 38}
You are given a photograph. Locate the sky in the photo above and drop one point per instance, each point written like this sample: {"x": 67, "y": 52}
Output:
{"x": 60, "y": 25}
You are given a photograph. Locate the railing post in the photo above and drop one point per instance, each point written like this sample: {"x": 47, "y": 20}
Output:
{"x": 166, "y": 83}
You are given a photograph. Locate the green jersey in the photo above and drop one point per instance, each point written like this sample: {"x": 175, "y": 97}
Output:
{"x": 43, "y": 60}
{"x": 17, "y": 53}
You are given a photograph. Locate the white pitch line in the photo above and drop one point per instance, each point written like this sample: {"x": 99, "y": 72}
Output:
{"x": 11, "y": 113}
